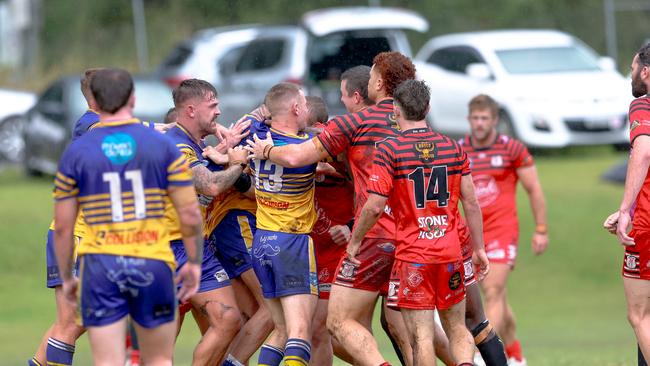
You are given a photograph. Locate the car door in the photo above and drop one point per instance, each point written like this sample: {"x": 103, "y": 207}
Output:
{"x": 46, "y": 130}
{"x": 277, "y": 55}
{"x": 451, "y": 87}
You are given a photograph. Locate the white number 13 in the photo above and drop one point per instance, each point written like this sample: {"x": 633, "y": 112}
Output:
{"x": 115, "y": 186}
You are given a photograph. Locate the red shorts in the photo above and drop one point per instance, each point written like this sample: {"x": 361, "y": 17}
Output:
{"x": 501, "y": 249}
{"x": 426, "y": 286}
{"x": 326, "y": 268}
{"x": 636, "y": 262}
{"x": 376, "y": 257}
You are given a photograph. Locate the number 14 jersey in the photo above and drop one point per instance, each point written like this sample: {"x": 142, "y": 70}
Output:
{"x": 420, "y": 171}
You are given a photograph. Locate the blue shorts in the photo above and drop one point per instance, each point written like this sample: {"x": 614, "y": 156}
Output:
{"x": 53, "y": 276}
{"x": 114, "y": 286}
{"x": 233, "y": 238}
{"x": 213, "y": 276}
{"x": 284, "y": 263}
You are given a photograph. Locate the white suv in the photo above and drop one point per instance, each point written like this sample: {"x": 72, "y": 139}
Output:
{"x": 553, "y": 90}
{"x": 313, "y": 53}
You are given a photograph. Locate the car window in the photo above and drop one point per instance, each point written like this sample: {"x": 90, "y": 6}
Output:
{"x": 261, "y": 54}
{"x": 53, "y": 94}
{"x": 455, "y": 59}
{"x": 331, "y": 55}
{"x": 178, "y": 56}
{"x": 548, "y": 59}
{"x": 229, "y": 60}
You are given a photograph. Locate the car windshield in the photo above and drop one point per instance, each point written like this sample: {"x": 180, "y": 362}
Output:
{"x": 548, "y": 60}
{"x": 152, "y": 100}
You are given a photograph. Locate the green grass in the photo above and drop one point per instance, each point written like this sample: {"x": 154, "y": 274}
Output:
{"x": 569, "y": 302}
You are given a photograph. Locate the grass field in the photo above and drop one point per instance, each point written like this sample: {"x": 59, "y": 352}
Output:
{"x": 569, "y": 302}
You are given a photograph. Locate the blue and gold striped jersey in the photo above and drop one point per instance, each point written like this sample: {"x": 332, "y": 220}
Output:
{"x": 119, "y": 172}
{"x": 285, "y": 196}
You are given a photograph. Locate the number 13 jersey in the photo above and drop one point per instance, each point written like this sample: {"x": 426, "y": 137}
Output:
{"x": 420, "y": 171}
{"x": 119, "y": 172}
{"x": 285, "y": 196}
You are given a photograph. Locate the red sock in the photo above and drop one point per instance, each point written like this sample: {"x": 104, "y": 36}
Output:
{"x": 128, "y": 340}
{"x": 135, "y": 357}
{"x": 514, "y": 350}
{"x": 385, "y": 364}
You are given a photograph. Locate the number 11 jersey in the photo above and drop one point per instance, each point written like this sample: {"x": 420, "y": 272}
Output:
{"x": 119, "y": 172}
{"x": 420, "y": 171}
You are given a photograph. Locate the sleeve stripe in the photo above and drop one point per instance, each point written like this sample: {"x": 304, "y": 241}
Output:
{"x": 377, "y": 193}
{"x": 65, "y": 179}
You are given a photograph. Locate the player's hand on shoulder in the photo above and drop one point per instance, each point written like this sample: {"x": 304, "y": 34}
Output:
{"x": 622, "y": 227}
{"x": 257, "y": 147}
{"x": 70, "y": 288}
{"x": 611, "y": 223}
{"x": 164, "y": 127}
{"x": 189, "y": 276}
{"x": 482, "y": 263}
{"x": 340, "y": 234}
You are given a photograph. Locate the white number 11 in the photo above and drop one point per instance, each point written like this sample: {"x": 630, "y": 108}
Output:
{"x": 115, "y": 186}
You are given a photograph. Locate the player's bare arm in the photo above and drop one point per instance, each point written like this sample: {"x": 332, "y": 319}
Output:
{"x": 636, "y": 172}
{"x": 370, "y": 213}
{"x": 65, "y": 215}
{"x": 289, "y": 156}
{"x": 474, "y": 219}
{"x": 214, "y": 183}
{"x": 184, "y": 200}
{"x": 529, "y": 180}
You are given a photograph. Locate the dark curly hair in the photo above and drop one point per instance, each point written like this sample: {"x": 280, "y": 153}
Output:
{"x": 394, "y": 68}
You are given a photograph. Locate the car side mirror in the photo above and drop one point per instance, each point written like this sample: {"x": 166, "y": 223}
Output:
{"x": 479, "y": 71}
{"x": 607, "y": 63}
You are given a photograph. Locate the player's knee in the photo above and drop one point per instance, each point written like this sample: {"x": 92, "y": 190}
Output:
{"x": 634, "y": 316}
{"x": 226, "y": 317}
{"x": 334, "y": 324}
{"x": 493, "y": 293}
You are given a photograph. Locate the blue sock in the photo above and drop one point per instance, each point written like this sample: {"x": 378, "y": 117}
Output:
{"x": 33, "y": 362}
{"x": 297, "y": 352}
{"x": 231, "y": 361}
{"x": 59, "y": 353}
{"x": 270, "y": 356}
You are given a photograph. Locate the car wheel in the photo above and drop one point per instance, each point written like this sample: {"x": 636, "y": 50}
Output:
{"x": 505, "y": 126}
{"x": 12, "y": 144}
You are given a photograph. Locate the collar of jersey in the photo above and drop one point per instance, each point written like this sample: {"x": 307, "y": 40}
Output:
{"x": 469, "y": 138}
{"x": 413, "y": 131}
{"x": 116, "y": 123}
{"x": 304, "y": 136}
{"x": 93, "y": 111}
{"x": 387, "y": 101}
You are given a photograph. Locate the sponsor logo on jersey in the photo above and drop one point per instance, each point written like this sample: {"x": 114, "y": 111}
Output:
{"x": 469, "y": 269}
{"x": 348, "y": 270}
{"x": 496, "y": 161}
{"x": 386, "y": 247}
{"x": 486, "y": 189}
{"x": 630, "y": 262}
{"x": 427, "y": 150}
{"x": 119, "y": 148}
{"x": 324, "y": 274}
{"x": 392, "y": 288}
{"x": 432, "y": 227}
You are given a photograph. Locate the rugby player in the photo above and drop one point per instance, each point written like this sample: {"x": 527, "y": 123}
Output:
{"x": 283, "y": 253}
{"x": 424, "y": 174}
{"x": 636, "y": 199}
{"x": 335, "y": 211}
{"x": 58, "y": 343}
{"x": 357, "y": 286}
{"x": 126, "y": 263}
{"x": 197, "y": 109}
{"x": 498, "y": 162}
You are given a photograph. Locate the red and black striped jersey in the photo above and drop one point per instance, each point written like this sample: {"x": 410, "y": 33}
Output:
{"x": 639, "y": 116}
{"x": 494, "y": 171}
{"x": 421, "y": 171}
{"x": 357, "y": 134}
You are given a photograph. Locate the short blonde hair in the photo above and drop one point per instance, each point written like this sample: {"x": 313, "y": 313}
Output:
{"x": 483, "y": 101}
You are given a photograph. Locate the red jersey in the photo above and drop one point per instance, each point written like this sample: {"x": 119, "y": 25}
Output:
{"x": 494, "y": 171}
{"x": 640, "y": 125}
{"x": 421, "y": 170}
{"x": 334, "y": 206}
{"x": 357, "y": 134}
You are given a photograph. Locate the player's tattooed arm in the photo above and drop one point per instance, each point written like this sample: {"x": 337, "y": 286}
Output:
{"x": 214, "y": 183}
{"x": 370, "y": 214}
